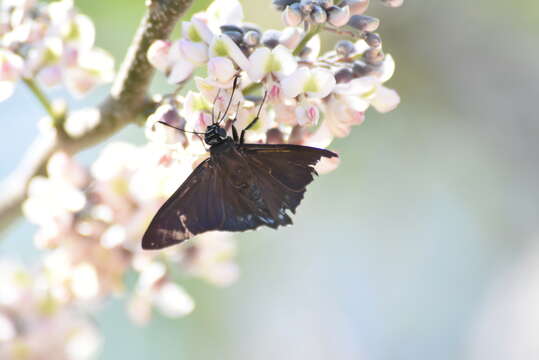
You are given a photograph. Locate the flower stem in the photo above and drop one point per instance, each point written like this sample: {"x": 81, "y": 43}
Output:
{"x": 315, "y": 30}
{"x": 44, "y": 100}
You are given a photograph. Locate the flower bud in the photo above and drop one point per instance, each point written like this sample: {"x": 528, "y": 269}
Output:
{"x": 274, "y": 136}
{"x": 373, "y": 39}
{"x": 270, "y": 38}
{"x": 292, "y": 15}
{"x": 290, "y": 37}
{"x": 158, "y": 54}
{"x": 345, "y": 48}
{"x": 359, "y": 68}
{"x": 393, "y": 3}
{"x": 318, "y": 15}
{"x": 326, "y": 4}
{"x": 225, "y": 28}
{"x": 357, "y": 7}
{"x": 307, "y": 6}
{"x": 338, "y": 16}
{"x": 282, "y": 4}
{"x": 252, "y": 38}
{"x": 344, "y": 75}
{"x": 374, "y": 56}
{"x": 364, "y": 22}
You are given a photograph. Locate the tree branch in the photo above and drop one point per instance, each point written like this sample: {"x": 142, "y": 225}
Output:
{"x": 127, "y": 101}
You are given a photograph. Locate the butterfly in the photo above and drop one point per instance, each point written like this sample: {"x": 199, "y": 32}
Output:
{"x": 239, "y": 187}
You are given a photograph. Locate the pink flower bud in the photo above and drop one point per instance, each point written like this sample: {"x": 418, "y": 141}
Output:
{"x": 158, "y": 54}
{"x": 339, "y": 16}
{"x": 292, "y": 15}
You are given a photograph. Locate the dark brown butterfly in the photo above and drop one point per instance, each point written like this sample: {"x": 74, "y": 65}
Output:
{"x": 239, "y": 187}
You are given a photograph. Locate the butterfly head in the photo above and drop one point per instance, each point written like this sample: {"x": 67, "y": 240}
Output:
{"x": 214, "y": 135}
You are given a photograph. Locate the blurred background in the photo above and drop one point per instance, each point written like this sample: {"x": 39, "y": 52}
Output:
{"x": 423, "y": 244}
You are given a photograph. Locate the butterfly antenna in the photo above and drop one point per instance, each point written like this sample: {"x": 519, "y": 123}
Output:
{"x": 234, "y": 86}
{"x": 183, "y": 130}
{"x": 213, "y": 106}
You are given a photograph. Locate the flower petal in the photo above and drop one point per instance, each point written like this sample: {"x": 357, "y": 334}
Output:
{"x": 257, "y": 63}
{"x": 202, "y": 29}
{"x": 222, "y": 45}
{"x": 6, "y": 89}
{"x": 222, "y": 12}
{"x": 286, "y": 60}
{"x": 195, "y": 52}
{"x": 321, "y": 83}
{"x": 181, "y": 70}
{"x": 221, "y": 69}
{"x": 293, "y": 84}
{"x": 385, "y": 99}
{"x": 158, "y": 54}
{"x": 173, "y": 301}
{"x": 388, "y": 68}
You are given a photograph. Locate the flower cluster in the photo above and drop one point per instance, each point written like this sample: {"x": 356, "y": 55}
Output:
{"x": 50, "y": 42}
{"x": 311, "y": 97}
{"x": 91, "y": 220}
{"x": 33, "y": 325}
{"x": 91, "y": 223}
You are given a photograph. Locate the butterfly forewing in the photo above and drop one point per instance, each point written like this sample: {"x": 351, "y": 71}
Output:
{"x": 194, "y": 208}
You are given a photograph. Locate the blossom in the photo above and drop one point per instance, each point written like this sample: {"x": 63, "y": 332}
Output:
{"x": 222, "y": 12}
{"x": 91, "y": 220}
{"x": 11, "y": 66}
{"x": 33, "y": 323}
{"x": 222, "y": 45}
{"x": 221, "y": 70}
{"x": 314, "y": 83}
{"x": 277, "y": 61}
{"x": 55, "y": 44}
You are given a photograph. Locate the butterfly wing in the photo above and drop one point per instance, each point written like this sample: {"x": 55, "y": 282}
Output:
{"x": 282, "y": 173}
{"x": 194, "y": 208}
{"x": 242, "y": 188}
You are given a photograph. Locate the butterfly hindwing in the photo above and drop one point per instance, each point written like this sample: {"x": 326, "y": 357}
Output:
{"x": 291, "y": 165}
{"x": 283, "y": 172}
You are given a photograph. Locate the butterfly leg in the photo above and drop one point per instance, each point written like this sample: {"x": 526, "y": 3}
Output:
{"x": 253, "y": 122}
{"x": 235, "y": 134}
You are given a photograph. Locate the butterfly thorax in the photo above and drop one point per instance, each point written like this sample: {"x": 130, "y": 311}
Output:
{"x": 215, "y": 135}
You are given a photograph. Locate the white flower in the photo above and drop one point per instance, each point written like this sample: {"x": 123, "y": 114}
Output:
{"x": 197, "y": 30}
{"x": 197, "y": 111}
{"x": 94, "y": 67}
{"x": 314, "y": 83}
{"x": 278, "y": 61}
{"x": 385, "y": 99}
{"x": 163, "y": 134}
{"x": 218, "y": 94}
{"x": 11, "y": 66}
{"x": 221, "y": 69}
{"x": 222, "y": 45}
{"x": 172, "y": 300}
{"x": 158, "y": 55}
{"x": 222, "y": 12}
{"x": 184, "y": 57}
{"x": 307, "y": 114}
